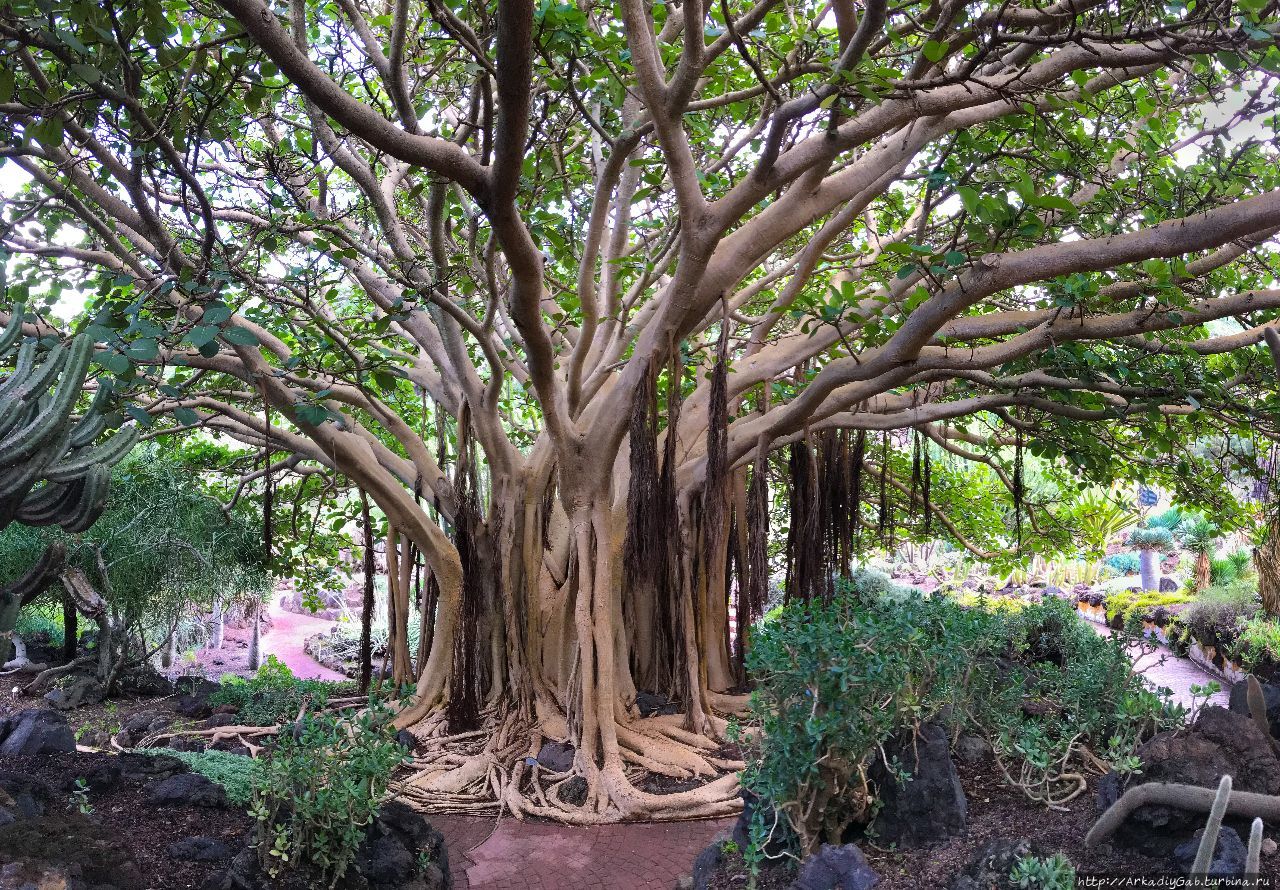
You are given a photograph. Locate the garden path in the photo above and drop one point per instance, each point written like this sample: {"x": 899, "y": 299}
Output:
{"x": 548, "y": 856}
{"x": 289, "y": 631}
{"x": 1163, "y": 667}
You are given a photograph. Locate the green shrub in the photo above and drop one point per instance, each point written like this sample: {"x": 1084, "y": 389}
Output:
{"x": 1223, "y": 571}
{"x": 834, "y": 682}
{"x": 1243, "y": 561}
{"x": 1050, "y": 873}
{"x": 41, "y": 621}
{"x": 1218, "y": 611}
{"x": 1169, "y": 519}
{"x": 234, "y": 772}
{"x": 274, "y": 694}
{"x": 319, "y": 789}
{"x": 1258, "y": 642}
{"x": 1134, "y": 605}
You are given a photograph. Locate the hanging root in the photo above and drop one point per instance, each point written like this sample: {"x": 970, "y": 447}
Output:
{"x": 495, "y": 769}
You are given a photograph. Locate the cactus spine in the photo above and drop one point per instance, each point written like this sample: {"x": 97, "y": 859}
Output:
{"x": 1209, "y": 840}
{"x": 1257, "y": 704}
{"x": 1253, "y": 859}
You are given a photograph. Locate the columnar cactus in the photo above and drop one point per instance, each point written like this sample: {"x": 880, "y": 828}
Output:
{"x": 51, "y": 472}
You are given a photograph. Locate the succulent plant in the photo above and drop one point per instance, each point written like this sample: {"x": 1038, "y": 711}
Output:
{"x": 51, "y": 471}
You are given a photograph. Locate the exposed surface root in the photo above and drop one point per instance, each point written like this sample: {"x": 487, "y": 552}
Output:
{"x": 495, "y": 769}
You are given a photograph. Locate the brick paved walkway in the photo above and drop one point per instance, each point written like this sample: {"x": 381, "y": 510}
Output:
{"x": 545, "y": 856}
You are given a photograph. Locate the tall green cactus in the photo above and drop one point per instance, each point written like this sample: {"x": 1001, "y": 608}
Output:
{"x": 51, "y": 472}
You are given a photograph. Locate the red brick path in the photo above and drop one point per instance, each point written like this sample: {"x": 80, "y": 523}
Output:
{"x": 546, "y": 856}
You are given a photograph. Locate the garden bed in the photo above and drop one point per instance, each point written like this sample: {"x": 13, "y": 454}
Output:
{"x": 996, "y": 811}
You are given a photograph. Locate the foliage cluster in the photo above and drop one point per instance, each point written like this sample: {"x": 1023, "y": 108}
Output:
{"x": 1137, "y": 605}
{"x": 319, "y": 789}
{"x": 1229, "y": 568}
{"x": 41, "y": 621}
{"x": 274, "y": 695}
{"x": 1124, "y": 563}
{"x": 836, "y": 681}
{"x": 1044, "y": 873}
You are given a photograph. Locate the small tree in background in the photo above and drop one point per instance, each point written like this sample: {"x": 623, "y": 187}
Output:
{"x": 161, "y": 548}
{"x": 1200, "y": 536}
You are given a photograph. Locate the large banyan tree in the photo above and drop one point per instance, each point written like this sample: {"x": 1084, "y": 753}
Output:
{"x": 552, "y": 283}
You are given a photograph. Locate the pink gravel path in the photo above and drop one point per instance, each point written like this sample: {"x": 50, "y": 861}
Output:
{"x": 289, "y": 631}
{"x": 1164, "y": 668}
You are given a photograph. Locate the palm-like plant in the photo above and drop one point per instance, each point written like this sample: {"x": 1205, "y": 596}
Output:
{"x": 1100, "y": 518}
{"x": 1148, "y": 542}
{"x": 1200, "y": 536}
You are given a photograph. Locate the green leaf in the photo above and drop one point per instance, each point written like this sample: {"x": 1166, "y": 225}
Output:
{"x": 935, "y": 50}
{"x": 144, "y": 350}
{"x": 139, "y": 415}
{"x": 240, "y": 337}
{"x": 215, "y": 313}
{"x": 1055, "y": 202}
{"x": 969, "y": 198}
{"x": 201, "y": 335}
{"x": 186, "y": 416}
{"x": 115, "y": 362}
{"x": 87, "y": 73}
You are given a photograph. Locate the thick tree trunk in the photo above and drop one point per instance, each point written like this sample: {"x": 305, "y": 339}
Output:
{"x": 1201, "y": 576}
{"x": 1148, "y": 563}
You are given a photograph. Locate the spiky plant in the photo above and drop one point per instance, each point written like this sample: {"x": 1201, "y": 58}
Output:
{"x": 1200, "y": 536}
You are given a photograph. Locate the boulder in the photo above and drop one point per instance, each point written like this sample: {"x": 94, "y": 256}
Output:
{"x": 1239, "y": 702}
{"x": 34, "y": 732}
{"x": 972, "y": 749}
{"x": 1220, "y": 742}
{"x": 708, "y": 863}
{"x": 193, "y": 698}
{"x": 187, "y": 790}
{"x": 741, "y": 832}
{"x": 928, "y": 807}
{"x": 146, "y": 682}
{"x": 1228, "y": 855}
{"x": 401, "y": 852}
{"x": 836, "y": 868}
{"x": 146, "y": 767}
{"x": 220, "y": 720}
{"x": 143, "y": 723}
{"x": 574, "y": 791}
{"x": 199, "y": 849}
{"x": 1168, "y": 585}
{"x": 103, "y": 773}
{"x": 77, "y": 690}
{"x": 556, "y": 757}
{"x": 990, "y": 867}
{"x": 26, "y": 797}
